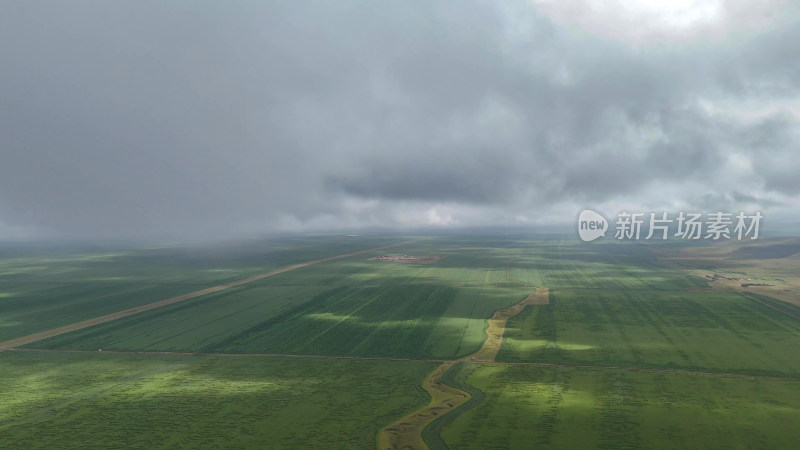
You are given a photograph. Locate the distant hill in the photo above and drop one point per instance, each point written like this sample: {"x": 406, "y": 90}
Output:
{"x": 771, "y": 251}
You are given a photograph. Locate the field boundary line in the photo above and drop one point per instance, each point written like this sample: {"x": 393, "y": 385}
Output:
{"x": 226, "y": 355}
{"x": 41, "y": 335}
{"x": 432, "y": 360}
{"x": 785, "y": 313}
{"x": 640, "y": 369}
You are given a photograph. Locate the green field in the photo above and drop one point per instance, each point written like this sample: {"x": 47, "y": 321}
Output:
{"x": 708, "y": 331}
{"x": 351, "y": 306}
{"x": 612, "y": 304}
{"x": 43, "y": 286}
{"x": 103, "y": 401}
{"x": 545, "y": 407}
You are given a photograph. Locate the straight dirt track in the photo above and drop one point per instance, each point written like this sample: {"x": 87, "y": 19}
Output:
{"x": 35, "y": 337}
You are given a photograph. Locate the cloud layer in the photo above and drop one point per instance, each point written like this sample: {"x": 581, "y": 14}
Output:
{"x": 185, "y": 118}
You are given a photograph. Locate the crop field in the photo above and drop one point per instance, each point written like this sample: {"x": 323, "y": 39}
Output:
{"x": 715, "y": 331}
{"x": 635, "y": 347}
{"x": 546, "y": 407}
{"x": 420, "y": 321}
{"x": 351, "y": 306}
{"x": 42, "y": 288}
{"x": 601, "y": 266}
{"x": 71, "y": 401}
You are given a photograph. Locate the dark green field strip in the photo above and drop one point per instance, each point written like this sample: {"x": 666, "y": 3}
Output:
{"x": 689, "y": 330}
{"x": 147, "y": 401}
{"x": 421, "y": 321}
{"x": 101, "y": 352}
{"x": 45, "y": 308}
{"x": 187, "y": 325}
{"x": 531, "y": 407}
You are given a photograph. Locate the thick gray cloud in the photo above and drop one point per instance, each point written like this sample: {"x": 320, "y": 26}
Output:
{"x": 192, "y": 118}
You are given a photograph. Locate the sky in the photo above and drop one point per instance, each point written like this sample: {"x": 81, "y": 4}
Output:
{"x": 193, "y": 119}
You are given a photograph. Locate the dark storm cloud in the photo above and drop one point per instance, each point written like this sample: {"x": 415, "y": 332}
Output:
{"x": 190, "y": 118}
{"x": 484, "y": 179}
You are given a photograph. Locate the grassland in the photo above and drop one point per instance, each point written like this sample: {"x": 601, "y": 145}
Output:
{"x": 622, "y": 305}
{"x": 110, "y": 401}
{"x": 545, "y": 407}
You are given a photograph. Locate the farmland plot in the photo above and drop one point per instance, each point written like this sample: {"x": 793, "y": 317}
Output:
{"x": 424, "y": 321}
{"x": 602, "y": 266}
{"x": 718, "y": 331}
{"x": 610, "y": 305}
{"x": 526, "y": 407}
{"x": 43, "y": 287}
{"x": 71, "y": 401}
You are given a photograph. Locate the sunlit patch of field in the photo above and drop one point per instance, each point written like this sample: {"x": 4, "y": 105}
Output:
{"x": 69, "y": 400}
{"x": 532, "y": 407}
{"x": 717, "y": 331}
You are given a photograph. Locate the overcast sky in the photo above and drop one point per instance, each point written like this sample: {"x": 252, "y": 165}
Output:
{"x": 187, "y": 118}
